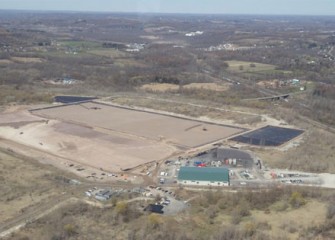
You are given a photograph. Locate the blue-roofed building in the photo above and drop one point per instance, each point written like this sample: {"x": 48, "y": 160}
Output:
{"x": 204, "y": 176}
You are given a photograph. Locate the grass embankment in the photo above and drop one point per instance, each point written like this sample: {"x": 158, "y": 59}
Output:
{"x": 12, "y": 94}
{"x": 25, "y": 183}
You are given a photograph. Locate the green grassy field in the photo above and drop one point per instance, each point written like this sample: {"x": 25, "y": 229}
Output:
{"x": 84, "y": 44}
{"x": 109, "y": 52}
{"x": 79, "y": 54}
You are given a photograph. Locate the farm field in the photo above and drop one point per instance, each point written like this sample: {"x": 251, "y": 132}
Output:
{"x": 163, "y": 87}
{"x": 26, "y": 60}
{"x": 109, "y": 53}
{"x": 241, "y": 66}
{"x": 78, "y": 44}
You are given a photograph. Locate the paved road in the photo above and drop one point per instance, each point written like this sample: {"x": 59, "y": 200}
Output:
{"x": 175, "y": 206}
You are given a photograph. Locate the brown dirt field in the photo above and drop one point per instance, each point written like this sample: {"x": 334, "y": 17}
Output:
{"x": 26, "y": 60}
{"x": 147, "y": 125}
{"x": 150, "y": 37}
{"x": 109, "y": 138}
{"x": 164, "y": 87}
{"x": 208, "y": 86}
{"x": 5, "y": 61}
{"x": 17, "y": 117}
{"x": 111, "y": 152}
{"x": 160, "y": 87}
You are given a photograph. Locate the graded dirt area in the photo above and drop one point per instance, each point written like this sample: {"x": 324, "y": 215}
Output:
{"x": 83, "y": 145}
{"x": 157, "y": 127}
{"x": 27, "y": 60}
{"x": 94, "y": 135}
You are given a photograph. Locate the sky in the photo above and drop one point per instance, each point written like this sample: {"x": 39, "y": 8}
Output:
{"x": 278, "y": 7}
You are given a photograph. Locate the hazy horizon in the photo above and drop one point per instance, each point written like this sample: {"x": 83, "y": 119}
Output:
{"x": 240, "y": 7}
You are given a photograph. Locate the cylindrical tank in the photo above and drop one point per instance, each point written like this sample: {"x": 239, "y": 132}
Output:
{"x": 234, "y": 161}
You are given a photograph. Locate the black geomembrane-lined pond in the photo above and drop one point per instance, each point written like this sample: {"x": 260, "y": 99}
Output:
{"x": 72, "y": 99}
{"x": 268, "y": 136}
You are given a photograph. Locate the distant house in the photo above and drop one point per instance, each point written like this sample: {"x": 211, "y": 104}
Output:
{"x": 295, "y": 81}
{"x": 204, "y": 176}
{"x": 67, "y": 80}
{"x": 192, "y": 34}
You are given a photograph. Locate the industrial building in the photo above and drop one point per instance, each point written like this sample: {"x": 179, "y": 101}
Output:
{"x": 203, "y": 176}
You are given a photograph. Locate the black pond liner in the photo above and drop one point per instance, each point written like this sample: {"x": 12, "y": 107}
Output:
{"x": 154, "y": 208}
{"x": 72, "y": 99}
{"x": 268, "y": 136}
